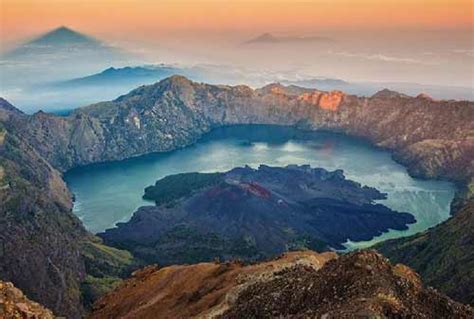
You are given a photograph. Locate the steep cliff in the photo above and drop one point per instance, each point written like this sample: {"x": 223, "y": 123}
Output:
{"x": 38, "y": 233}
{"x": 41, "y": 240}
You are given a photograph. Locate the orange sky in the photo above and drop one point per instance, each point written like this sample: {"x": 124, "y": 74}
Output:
{"x": 24, "y": 18}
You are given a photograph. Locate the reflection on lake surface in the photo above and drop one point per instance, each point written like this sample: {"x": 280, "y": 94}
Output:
{"x": 110, "y": 192}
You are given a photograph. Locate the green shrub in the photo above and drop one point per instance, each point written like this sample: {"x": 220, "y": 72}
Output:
{"x": 171, "y": 188}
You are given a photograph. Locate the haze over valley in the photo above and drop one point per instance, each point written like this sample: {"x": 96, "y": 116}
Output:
{"x": 54, "y": 71}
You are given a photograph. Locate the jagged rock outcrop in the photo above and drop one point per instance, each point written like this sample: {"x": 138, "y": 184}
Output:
{"x": 444, "y": 255}
{"x": 296, "y": 285}
{"x": 14, "y": 304}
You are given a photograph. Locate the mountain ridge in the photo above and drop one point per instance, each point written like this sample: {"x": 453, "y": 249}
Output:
{"x": 174, "y": 113}
{"x": 296, "y": 284}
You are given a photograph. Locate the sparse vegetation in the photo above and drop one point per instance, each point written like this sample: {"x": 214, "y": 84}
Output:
{"x": 171, "y": 188}
{"x": 470, "y": 189}
{"x": 105, "y": 268}
{"x": 93, "y": 288}
{"x": 3, "y": 132}
{"x": 103, "y": 261}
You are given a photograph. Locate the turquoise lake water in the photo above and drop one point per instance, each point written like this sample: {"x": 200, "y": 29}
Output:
{"x": 110, "y": 192}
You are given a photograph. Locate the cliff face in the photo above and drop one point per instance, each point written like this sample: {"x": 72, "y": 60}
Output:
{"x": 444, "y": 255}
{"x": 38, "y": 232}
{"x": 433, "y": 138}
{"x": 40, "y": 238}
{"x": 298, "y": 284}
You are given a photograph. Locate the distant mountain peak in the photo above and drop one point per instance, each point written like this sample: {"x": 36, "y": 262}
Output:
{"x": 263, "y": 38}
{"x": 270, "y": 38}
{"x": 386, "y": 93}
{"x": 63, "y": 35}
{"x": 76, "y": 50}
{"x": 275, "y": 88}
{"x": 177, "y": 79}
{"x": 424, "y": 96}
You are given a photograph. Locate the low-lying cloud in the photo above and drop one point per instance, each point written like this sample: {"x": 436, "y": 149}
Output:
{"x": 383, "y": 58}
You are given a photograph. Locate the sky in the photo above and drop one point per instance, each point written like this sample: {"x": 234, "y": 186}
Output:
{"x": 425, "y": 41}
{"x": 149, "y": 18}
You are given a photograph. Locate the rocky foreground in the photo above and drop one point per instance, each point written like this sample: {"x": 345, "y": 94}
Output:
{"x": 295, "y": 285}
{"x": 42, "y": 242}
{"x": 251, "y": 214}
{"x": 14, "y": 304}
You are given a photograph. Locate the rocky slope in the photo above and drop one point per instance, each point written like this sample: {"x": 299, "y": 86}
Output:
{"x": 444, "y": 255}
{"x": 432, "y": 138}
{"x": 14, "y": 304}
{"x": 252, "y": 214}
{"x": 296, "y": 285}
{"x": 38, "y": 232}
{"x": 41, "y": 240}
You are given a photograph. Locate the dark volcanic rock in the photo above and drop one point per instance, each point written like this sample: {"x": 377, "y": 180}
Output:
{"x": 250, "y": 214}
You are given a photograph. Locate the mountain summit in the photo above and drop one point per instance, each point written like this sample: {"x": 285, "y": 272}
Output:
{"x": 270, "y": 38}
{"x": 265, "y": 38}
{"x": 59, "y": 39}
{"x": 64, "y": 36}
{"x": 58, "y": 54}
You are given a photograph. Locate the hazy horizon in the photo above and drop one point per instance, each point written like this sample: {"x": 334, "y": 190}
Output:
{"x": 418, "y": 41}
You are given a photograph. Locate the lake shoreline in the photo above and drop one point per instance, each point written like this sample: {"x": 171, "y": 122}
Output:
{"x": 279, "y": 134}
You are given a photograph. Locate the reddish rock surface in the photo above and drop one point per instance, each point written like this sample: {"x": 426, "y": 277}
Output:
{"x": 296, "y": 285}
{"x": 14, "y": 304}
